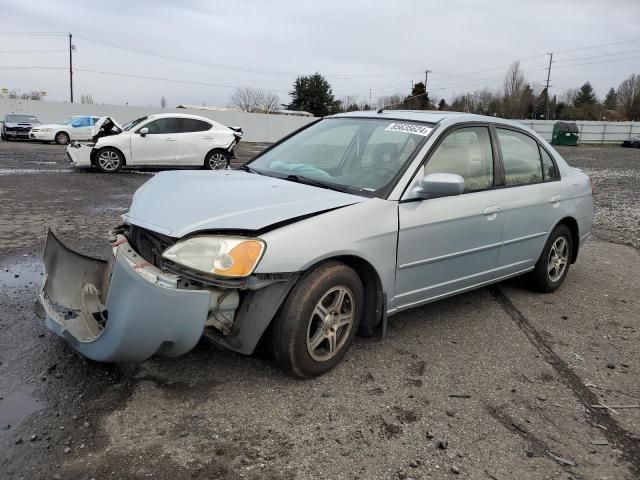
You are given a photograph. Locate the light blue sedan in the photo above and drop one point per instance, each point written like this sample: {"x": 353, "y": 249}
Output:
{"x": 345, "y": 222}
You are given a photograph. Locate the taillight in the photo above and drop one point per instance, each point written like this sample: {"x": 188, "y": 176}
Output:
{"x": 593, "y": 187}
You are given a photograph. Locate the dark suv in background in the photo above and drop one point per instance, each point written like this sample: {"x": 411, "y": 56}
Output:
{"x": 17, "y": 125}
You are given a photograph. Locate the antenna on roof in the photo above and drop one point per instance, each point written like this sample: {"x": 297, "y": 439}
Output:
{"x": 386, "y": 107}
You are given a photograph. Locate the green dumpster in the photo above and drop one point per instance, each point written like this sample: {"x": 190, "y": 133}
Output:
{"x": 565, "y": 133}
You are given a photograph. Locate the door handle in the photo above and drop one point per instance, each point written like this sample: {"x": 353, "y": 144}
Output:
{"x": 169, "y": 140}
{"x": 491, "y": 210}
{"x": 555, "y": 199}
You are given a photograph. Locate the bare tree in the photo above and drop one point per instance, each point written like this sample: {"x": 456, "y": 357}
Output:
{"x": 269, "y": 102}
{"x": 88, "y": 99}
{"x": 513, "y": 90}
{"x": 163, "y": 102}
{"x": 247, "y": 99}
{"x": 629, "y": 97}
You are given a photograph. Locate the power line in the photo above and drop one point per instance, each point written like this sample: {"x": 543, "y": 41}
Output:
{"x": 146, "y": 77}
{"x": 339, "y": 76}
{"x": 32, "y": 34}
{"x": 28, "y": 67}
{"x": 597, "y": 56}
{"x": 31, "y": 51}
{"x": 599, "y": 62}
{"x": 598, "y": 46}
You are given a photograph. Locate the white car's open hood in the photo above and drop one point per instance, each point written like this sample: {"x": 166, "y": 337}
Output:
{"x": 178, "y": 203}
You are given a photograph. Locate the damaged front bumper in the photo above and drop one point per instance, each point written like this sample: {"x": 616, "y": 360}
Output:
{"x": 79, "y": 154}
{"x": 127, "y": 310}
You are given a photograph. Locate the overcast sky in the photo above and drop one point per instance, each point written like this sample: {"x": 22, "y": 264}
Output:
{"x": 358, "y": 45}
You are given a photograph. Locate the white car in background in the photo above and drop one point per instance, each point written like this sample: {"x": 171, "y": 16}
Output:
{"x": 167, "y": 139}
{"x": 77, "y": 127}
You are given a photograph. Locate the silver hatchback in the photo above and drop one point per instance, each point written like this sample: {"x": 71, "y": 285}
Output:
{"x": 324, "y": 235}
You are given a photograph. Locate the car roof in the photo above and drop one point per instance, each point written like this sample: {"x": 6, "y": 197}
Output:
{"x": 430, "y": 116}
{"x": 180, "y": 115}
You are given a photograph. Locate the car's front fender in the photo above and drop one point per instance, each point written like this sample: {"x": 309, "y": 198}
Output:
{"x": 367, "y": 230}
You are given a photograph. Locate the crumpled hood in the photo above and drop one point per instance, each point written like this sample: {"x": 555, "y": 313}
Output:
{"x": 180, "y": 202}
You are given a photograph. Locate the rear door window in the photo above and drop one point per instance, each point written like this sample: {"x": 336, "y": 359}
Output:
{"x": 549, "y": 168}
{"x": 187, "y": 125}
{"x": 520, "y": 158}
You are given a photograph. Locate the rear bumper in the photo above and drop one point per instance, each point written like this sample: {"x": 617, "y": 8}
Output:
{"x": 123, "y": 311}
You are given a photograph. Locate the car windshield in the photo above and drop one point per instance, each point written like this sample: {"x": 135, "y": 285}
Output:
{"x": 133, "y": 123}
{"x": 21, "y": 119}
{"x": 360, "y": 155}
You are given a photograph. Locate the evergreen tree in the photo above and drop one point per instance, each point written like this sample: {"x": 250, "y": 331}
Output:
{"x": 313, "y": 94}
{"x": 585, "y": 96}
{"x": 611, "y": 100}
{"x": 442, "y": 105}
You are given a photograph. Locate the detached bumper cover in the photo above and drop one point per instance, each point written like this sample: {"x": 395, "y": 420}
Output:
{"x": 79, "y": 154}
{"x": 125, "y": 311}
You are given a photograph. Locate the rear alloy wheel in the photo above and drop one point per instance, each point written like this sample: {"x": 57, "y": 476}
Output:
{"x": 62, "y": 138}
{"x": 318, "y": 320}
{"x": 217, "y": 160}
{"x": 109, "y": 160}
{"x": 553, "y": 264}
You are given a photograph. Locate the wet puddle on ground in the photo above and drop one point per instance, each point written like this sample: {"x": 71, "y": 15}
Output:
{"x": 15, "y": 407}
{"x": 24, "y": 274}
{"x": 28, "y": 171}
{"x": 109, "y": 210}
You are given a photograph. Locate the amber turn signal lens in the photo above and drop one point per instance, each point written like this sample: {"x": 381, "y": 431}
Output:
{"x": 245, "y": 256}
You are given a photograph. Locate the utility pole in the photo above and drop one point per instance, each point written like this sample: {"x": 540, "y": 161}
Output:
{"x": 370, "y": 106}
{"x": 546, "y": 90}
{"x": 426, "y": 77}
{"x": 70, "y": 68}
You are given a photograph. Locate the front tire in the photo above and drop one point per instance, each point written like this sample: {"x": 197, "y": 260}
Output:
{"x": 553, "y": 265}
{"x": 62, "y": 138}
{"x": 217, "y": 160}
{"x": 318, "y": 320}
{"x": 109, "y": 160}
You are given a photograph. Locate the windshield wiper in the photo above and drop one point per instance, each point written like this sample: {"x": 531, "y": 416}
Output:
{"x": 308, "y": 181}
{"x": 247, "y": 168}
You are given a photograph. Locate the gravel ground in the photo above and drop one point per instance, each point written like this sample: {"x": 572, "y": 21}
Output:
{"x": 615, "y": 173}
{"x": 494, "y": 384}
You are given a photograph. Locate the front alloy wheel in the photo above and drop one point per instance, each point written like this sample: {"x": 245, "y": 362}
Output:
{"x": 330, "y": 324}
{"x": 62, "y": 138}
{"x": 318, "y": 320}
{"x": 109, "y": 160}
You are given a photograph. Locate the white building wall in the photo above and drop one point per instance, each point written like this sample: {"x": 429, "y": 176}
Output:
{"x": 260, "y": 127}
{"x": 257, "y": 127}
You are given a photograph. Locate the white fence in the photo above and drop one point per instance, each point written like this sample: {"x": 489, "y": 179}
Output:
{"x": 257, "y": 127}
{"x": 590, "y": 132}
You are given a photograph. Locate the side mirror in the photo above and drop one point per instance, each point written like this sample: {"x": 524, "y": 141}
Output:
{"x": 437, "y": 185}
{"x": 144, "y": 131}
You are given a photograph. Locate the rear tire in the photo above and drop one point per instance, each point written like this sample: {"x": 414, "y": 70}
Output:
{"x": 109, "y": 160}
{"x": 62, "y": 138}
{"x": 318, "y": 320}
{"x": 217, "y": 160}
{"x": 554, "y": 262}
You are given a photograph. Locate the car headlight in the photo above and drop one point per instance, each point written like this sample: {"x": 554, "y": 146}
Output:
{"x": 224, "y": 256}
{"x": 45, "y": 129}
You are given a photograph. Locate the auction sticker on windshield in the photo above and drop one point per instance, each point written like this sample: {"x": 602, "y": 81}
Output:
{"x": 409, "y": 128}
